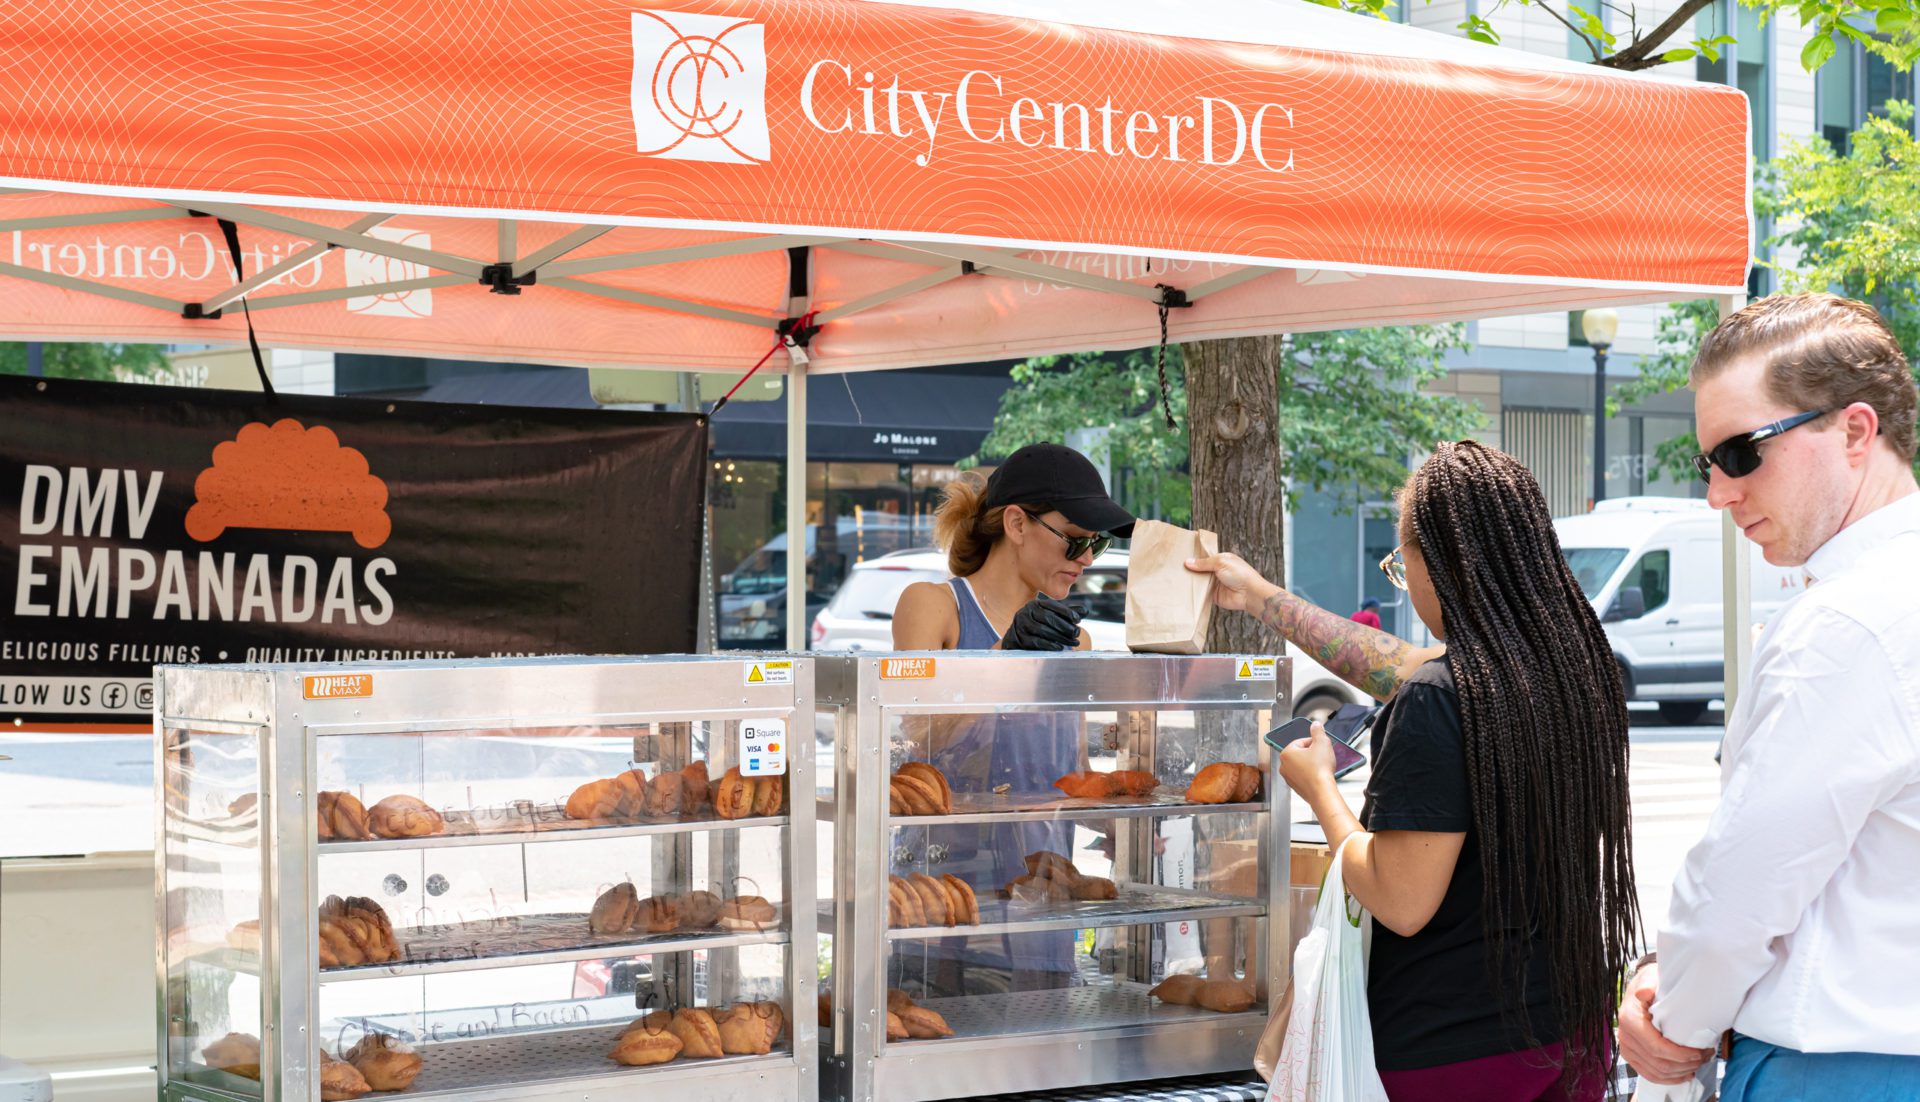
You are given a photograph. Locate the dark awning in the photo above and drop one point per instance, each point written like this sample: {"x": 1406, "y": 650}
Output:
{"x": 892, "y": 416}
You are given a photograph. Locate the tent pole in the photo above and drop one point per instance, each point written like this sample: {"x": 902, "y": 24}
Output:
{"x": 797, "y": 506}
{"x": 1737, "y": 579}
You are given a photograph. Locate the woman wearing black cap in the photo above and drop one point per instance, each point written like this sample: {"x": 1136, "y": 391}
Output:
{"x": 1015, "y": 543}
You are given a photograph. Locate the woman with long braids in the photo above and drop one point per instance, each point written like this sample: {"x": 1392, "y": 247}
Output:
{"x": 1494, "y": 848}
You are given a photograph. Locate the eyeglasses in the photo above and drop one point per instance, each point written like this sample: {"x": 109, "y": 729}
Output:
{"x": 1076, "y": 545}
{"x": 1739, "y": 456}
{"x": 1395, "y": 568}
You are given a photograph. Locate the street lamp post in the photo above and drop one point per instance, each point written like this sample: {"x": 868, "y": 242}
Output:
{"x": 1599, "y": 327}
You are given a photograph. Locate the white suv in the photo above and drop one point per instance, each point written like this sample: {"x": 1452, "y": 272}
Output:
{"x": 860, "y": 617}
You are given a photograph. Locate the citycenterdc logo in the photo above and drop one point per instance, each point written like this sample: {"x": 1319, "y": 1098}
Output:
{"x": 700, "y": 87}
{"x": 700, "y": 94}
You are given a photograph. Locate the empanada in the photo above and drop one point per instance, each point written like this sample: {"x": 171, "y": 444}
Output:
{"x": 1086, "y": 784}
{"x": 933, "y": 778}
{"x": 1214, "y": 784}
{"x": 615, "y": 910}
{"x": 1132, "y": 782}
{"x": 236, "y": 1054}
{"x": 386, "y": 1063}
{"x": 340, "y": 1081}
{"x": 699, "y": 1034}
{"x": 749, "y": 912}
{"x": 933, "y": 898}
{"x": 742, "y": 1032}
{"x": 641, "y": 1047}
{"x": 1224, "y": 996}
{"x": 963, "y": 909}
{"x": 699, "y": 910}
{"x": 924, "y": 1024}
{"x": 656, "y": 915}
{"x": 1180, "y": 990}
{"x": 733, "y": 795}
{"x": 768, "y": 795}
{"x": 1246, "y": 783}
{"x": 404, "y": 817}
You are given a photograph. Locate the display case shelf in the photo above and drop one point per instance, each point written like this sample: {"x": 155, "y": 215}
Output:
{"x": 461, "y": 831}
{"x": 451, "y": 1068}
{"x": 1136, "y": 905}
{"x": 510, "y": 942}
{"x": 971, "y": 807}
{"x": 1106, "y": 1006}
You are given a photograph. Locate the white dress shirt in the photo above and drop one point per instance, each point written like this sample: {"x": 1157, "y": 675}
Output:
{"x": 1796, "y": 920}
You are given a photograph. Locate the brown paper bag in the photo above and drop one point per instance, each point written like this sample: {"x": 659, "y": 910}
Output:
{"x": 1168, "y": 606}
{"x": 1266, "y": 1055}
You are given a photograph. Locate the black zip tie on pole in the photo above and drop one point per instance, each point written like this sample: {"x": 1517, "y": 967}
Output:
{"x": 232, "y": 234}
{"x": 1170, "y": 298}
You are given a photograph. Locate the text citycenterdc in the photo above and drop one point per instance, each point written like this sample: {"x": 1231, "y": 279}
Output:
{"x": 144, "y": 525}
{"x": 700, "y": 94}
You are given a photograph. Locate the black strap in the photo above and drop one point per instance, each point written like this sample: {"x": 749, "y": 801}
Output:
{"x": 1160, "y": 360}
{"x": 232, "y": 234}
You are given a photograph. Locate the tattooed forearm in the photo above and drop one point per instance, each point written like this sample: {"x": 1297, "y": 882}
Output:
{"x": 1364, "y": 657}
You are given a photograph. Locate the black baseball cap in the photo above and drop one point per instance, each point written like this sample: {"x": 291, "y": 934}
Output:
{"x": 1056, "y": 475}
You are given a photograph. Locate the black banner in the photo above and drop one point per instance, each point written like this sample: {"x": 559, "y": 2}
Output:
{"x": 146, "y": 525}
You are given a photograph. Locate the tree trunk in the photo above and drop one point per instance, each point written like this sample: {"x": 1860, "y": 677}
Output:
{"x": 1234, "y": 459}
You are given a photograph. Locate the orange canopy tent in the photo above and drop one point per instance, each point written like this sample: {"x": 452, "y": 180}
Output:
{"x": 844, "y": 184}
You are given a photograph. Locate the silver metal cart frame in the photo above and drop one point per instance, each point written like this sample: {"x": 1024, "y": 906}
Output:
{"x": 269, "y": 704}
{"x": 866, "y": 692}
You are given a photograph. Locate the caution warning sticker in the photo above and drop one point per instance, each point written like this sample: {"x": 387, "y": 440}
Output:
{"x": 770, "y": 673}
{"x": 1254, "y": 669}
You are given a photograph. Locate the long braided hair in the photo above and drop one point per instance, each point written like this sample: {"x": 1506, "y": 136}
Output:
{"x": 1544, "y": 721}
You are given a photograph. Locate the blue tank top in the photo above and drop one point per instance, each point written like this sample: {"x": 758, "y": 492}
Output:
{"x": 1024, "y": 753}
{"x": 976, "y": 631}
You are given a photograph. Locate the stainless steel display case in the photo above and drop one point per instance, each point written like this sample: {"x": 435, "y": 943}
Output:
{"x": 502, "y": 988}
{"x": 1050, "y": 995}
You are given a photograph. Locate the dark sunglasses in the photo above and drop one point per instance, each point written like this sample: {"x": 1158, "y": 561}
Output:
{"x": 1076, "y": 545}
{"x": 1739, "y": 456}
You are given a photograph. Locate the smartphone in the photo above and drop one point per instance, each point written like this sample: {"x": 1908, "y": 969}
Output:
{"x": 1345, "y": 758}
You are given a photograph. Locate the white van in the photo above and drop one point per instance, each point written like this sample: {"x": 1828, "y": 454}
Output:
{"x": 1652, "y": 568}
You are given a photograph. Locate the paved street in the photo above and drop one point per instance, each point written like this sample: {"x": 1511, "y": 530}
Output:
{"x": 1675, "y": 787}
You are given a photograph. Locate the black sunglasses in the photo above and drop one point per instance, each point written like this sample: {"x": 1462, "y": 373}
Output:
{"x": 1076, "y": 545}
{"x": 1739, "y": 456}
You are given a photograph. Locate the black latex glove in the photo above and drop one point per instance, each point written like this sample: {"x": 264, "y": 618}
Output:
{"x": 1044, "y": 624}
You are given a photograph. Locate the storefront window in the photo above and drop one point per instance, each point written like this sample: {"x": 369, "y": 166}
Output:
{"x": 855, "y": 512}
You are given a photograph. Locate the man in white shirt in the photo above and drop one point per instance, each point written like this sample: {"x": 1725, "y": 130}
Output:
{"x": 1796, "y": 921}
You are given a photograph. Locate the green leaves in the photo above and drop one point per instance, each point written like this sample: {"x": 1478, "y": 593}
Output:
{"x": 1480, "y": 30}
{"x": 1352, "y": 408}
{"x": 1817, "y": 50}
{"x": 81, "y": 360}
{"x": 1848, "y": 224}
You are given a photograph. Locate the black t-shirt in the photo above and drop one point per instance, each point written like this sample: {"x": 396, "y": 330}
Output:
{"x": 1430, "y": 995}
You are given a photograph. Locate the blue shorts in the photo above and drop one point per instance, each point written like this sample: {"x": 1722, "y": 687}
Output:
{"x": 1760, "y": 1072}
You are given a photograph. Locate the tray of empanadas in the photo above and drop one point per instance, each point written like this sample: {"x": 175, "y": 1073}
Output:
{"x": 524, "y": 935}
{"x": 917, "y": 790}
{"x": 1051, "y": 895}
{"x": 628, "y": 799}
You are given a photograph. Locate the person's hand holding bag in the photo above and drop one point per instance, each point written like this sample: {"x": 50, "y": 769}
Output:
{"x": 1043, "y": 624}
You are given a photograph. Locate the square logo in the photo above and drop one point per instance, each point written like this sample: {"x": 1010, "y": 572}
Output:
{"x": 366, "y": 269}
{"x": 700, "y": 87}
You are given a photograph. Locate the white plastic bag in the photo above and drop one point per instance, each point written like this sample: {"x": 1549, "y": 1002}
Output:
{"x": 1328, "y": 1055}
